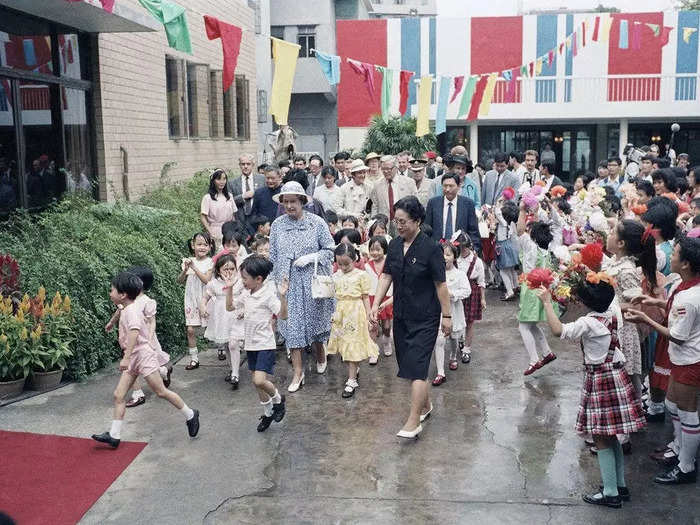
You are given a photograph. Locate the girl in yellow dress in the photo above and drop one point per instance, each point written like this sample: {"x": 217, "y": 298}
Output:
{"x": 350, "y": 324}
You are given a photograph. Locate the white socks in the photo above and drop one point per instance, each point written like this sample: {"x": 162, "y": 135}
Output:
{"x": 187, "y": 412}
{"x": 235, "y": 357}
{"x": 690, "y": 431}
{"x": 194, "y": 354}
{"x": 116, "y": 429}
{"x": 163, "y": 372}
{"x": 505, "y": 275}
{"x": 526, "y": 333}
{"x": 267, "y": 407}
{"x": 137, "y": 394}
{"x": 440, "y": 355}
{"x": 467, "y": 350}
{"x": 675, "y": 445}
{"x": 277, "y": 398}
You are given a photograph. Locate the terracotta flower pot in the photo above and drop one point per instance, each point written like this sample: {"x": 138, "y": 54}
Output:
{"x": 10, "y": 389}
{"x": 45, "y": 380}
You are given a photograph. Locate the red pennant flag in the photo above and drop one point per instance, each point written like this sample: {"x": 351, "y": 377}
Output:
{"x": 665, "y": 32}
{"x": 596, "y": 29}
{"x": 458, "y": 83}
{"x": 511, "y": 87}
{"x": 230, "y": 41}
{"x": 531, "y": 68}
{"x": 476, "y": 98}
{"x": 575, "y": 40}
{"x": 404, "y": 80}
{"x": 107, "y": 5}
{"x": 561, "y": 48}
{"x": 583, "y": 34}
{"x": 366, "y": 71}
{"x": 550, "y": 58}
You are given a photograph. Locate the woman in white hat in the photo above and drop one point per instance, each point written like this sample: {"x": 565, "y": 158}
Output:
{"x": 297, "y": 240}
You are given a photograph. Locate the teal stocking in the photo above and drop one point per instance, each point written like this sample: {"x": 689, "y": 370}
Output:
{"x": 606, "y": 459}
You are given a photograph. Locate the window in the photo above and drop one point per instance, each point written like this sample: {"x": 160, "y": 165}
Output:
{"x": 306, "y": 38}
{"x": 198, "y": 100}
{"x": 255, "y": 5}
{"x": 262, "y": 105}
{"x": 242, "y": 108}
{"x": 174, "y": 82}
{"x": 216, "y": 104}
{"x": 230, "y": 113}
{"x": 276, "y": 32}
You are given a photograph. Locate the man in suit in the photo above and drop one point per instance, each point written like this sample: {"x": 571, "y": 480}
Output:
{"x": 452, "y": 212}
{"x": 498, "y": 179}
{"x": 262, "y": 200}
{"x": 547, "y": 175}
{"x": 245, "y": 185}
{"x": 315, "y": 179}
{"x": 389, "y": 190}
{"x": 341, "y": 162}
{"x": 402, "y": 163}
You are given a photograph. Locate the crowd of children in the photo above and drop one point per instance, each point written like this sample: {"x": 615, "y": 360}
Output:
{"x": 625, "y": 270}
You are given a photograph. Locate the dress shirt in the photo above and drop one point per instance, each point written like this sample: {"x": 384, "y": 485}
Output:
{"x": 351, "y": 199}
{"x": 259, "y": 307}
{"x": 445, "y": 207}
{"x": 594, "y": 336}
{"x": 401, "y": 186}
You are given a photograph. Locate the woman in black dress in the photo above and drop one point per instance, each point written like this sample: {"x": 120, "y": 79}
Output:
{"x": 416, "y": 267}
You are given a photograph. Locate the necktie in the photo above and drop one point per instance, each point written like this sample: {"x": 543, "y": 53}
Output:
{"x": 391, "y": 202}
{"x": 448, "y": 222}
{"x": 495, "y": 189}
{"x": 247, "y": 203}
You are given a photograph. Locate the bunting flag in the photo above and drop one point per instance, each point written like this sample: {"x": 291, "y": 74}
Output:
{"x": 605, "y": 31}
{"x": 623, "y": 43}
{"x": 523, "y": 71}
{"x": 466, "y": 101}
{"x": 366, "y": 71}
{"x": 284, "y": 58}
{"x": 511, "y": 87}
{"x": 665, "y": 33}
{"x": 636, "y": 36}
{"x": 476, "y": 99}
{"x": 458, "y": 83}
{"x": 561, "y": 48}
{"x": 485, "y": 105}
{"x": 443, "y": 101}
{"x": 404, "y": 80}
{"x": 596, "y": 29}
{"x": 531, "y": 69}
{"x": 172, "y": 16}
{"x": 687, "y": 33}
{"x": 387, "y": 85}
{"x": 507, "y": 75}
{"x": 107, "y": 5}
{"x": 330, "y": 65}
{"x": 230, "y": 36}
{"x": 538, "y": 66}
{"x": 423, "y": 118}
{"x": 550, "y": 58}
{"x": 583, "y": 34}
{"x": 574, "y": 41}
{"x": 656, "y": 28}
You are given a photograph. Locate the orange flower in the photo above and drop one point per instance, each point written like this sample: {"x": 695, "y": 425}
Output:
{"x": 639, "y": 209}
{"x": 557, "y": 191}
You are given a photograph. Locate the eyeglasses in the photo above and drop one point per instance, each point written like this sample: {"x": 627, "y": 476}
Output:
{"x": 401, "y": 222}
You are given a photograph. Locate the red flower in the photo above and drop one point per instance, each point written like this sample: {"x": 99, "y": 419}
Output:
{"x": 540, "y": 277}
{"x": 592, "y": 256}
{"x": 557, "y": 191}
{"x": 9, "y": 274}
{"x": 639, "y": 209}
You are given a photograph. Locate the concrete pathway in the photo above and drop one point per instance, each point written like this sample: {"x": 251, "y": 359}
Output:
{"x": 499, "y": 448}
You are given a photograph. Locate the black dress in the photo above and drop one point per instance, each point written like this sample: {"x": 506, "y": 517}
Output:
{"x": 416, "y": 306}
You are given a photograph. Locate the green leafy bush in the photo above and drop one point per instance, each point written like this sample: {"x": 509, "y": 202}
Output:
{"x": 396, "y": 135}
{"x": 78, "y": 245}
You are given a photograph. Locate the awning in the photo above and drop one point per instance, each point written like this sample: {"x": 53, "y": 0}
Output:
{"x": 87, "y": 15}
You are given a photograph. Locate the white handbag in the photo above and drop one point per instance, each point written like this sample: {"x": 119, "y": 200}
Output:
{"x": 483, "y": 229}
{"x": 322, "y": 286}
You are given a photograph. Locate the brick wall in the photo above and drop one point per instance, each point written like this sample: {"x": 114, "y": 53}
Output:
{"x": 130, "y": 101}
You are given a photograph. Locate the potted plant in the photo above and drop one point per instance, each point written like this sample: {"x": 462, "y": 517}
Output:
{"x": 16, "y": 357}
{"x": 49, "y": 339}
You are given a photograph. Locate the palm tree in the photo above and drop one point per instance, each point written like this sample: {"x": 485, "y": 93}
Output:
{"x": 396, "y": 135}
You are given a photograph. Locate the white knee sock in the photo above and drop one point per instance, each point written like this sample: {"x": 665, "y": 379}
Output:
{"x": 277, "y": 398}
{"x": 235, "y": 357}
{"x": 116, "y": 429}
{"x": 194, "y": 354}
{"x": 505, "y": 275}
{"x": 690, "y": 428}
{"x": 677, "y": 435}
{"x": 163, "y": 372}
{"x": 137, "y": 394}
{"x": 514, "y": 277}
{"x": 440, "y": 355}
{"x": 540, "y": 340}
{"x": 529, "y": 341}
{"x": 187, "y": 412}
{"x": 267, "y": 407}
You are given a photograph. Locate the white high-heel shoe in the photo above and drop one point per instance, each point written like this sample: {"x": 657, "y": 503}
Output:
{"x": 321, "y": 367}
{"x": 410, "y": 434}
{"x": 425, "y": 416}
{"x": 294, "y": 386}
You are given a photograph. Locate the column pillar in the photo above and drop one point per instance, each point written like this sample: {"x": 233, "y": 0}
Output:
{"x": 623, "y": 136}
{"x": 474, "y": 142}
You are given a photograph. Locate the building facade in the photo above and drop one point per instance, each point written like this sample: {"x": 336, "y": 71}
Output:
{"x": 98, "y": 101}
{"x": 585, "y": 107}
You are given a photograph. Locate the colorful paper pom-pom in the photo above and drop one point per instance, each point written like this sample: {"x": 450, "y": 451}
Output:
{"x": 557, "y": 191}
{"x": 540, "y": 183}
{"x": 530, "y": 200}
{"x": 540, "y": 277}
{"x": 639, "y": 209}
{"x": 508, "y": 193}
{"x": 592, "y": 256}
{"x": 537, "y": 188}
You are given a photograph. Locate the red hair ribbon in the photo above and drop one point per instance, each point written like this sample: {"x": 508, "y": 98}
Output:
{"x": 453, "y": 243}
{"x": 654, "y": 232}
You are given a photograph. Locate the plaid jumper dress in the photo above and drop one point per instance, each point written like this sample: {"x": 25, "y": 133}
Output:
{"x": 608, "y": 400}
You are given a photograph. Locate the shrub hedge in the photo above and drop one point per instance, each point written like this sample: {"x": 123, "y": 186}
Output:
{"x": 77, "y": 246}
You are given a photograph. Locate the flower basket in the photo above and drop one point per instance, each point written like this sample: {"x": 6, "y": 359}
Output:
{"x": 44, "y": 380}
{"x": 10, "y": 389}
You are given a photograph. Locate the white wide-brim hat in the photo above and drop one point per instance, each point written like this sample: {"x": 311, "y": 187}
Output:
{"x": 291, "y": 188}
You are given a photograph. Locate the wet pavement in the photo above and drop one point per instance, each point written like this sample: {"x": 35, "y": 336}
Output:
{"x": 499, "y": 448}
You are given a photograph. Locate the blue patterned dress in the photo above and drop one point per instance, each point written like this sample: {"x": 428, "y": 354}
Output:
{"x": 309, "y": 319}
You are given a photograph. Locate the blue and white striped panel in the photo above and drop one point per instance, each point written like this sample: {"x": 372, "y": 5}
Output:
{"x": 546, "y": 90}
{"x": 687, "y": 56}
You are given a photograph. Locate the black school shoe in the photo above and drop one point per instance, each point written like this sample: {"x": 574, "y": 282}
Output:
{"x": 234, "y": 383}
{"x": 265, "y": 422}
{"x": 623, "y": 492}
{"x": 614, "y": 502}
{"x": 278, "y": 410}
{"x": 193, "y": 424}
{"x": 106, "y": 438}
{"x": 676, "y": 476}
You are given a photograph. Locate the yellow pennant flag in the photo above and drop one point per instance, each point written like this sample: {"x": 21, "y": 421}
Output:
{"x": 423, "y": 118}
{"x": 687, "y": 33}
{"x": 538, "y": 66}
{"x": 485, "y": 105}
{"x": 284, "y": 57}
{"x": 605, "y": 30}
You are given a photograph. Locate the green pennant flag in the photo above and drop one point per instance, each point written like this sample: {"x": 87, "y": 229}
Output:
{"x": 656, "y": 28}
{"x": 466, "y": 101}
{"x": 172, "y": 16}
{"x": 387, "y": 85}
{"x": 523, "y": 71}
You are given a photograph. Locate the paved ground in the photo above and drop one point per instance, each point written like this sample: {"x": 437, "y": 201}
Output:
{"x": 498, "y": 449}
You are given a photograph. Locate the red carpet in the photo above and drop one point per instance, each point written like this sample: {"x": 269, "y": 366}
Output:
{"x": 56, "y": 479}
